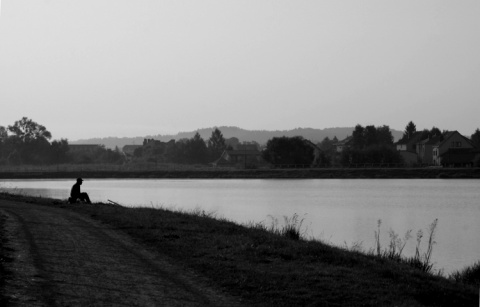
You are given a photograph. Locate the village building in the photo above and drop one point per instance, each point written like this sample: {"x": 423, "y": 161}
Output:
{"x": 452, "y": 141}
{"x": 129, "y": 150}
{"x": 343, "y": 144}
{"x": 460, "y": 157}
{"x": 407, "y": 148}
{"x": 242, "y": 155}
{"x": 431, "y": 150}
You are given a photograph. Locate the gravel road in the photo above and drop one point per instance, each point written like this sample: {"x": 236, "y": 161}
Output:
{"x": 61, "y": 258}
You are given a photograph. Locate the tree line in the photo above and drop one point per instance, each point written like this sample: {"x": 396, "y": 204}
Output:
{"x": 185, "y": 151}
{"x": 27, "y": 142}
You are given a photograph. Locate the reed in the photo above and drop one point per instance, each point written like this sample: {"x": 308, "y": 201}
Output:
{"x": 292, "y": 227}
{"x": 394, "y": 251}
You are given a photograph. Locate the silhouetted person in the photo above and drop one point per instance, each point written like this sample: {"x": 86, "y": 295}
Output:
{"x": 76, "y": 194}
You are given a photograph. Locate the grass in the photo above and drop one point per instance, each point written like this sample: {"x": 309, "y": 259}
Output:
{"x": 421, "y": 260}
{"x": 272, "y": 265}
{"x": 469, "y": 275}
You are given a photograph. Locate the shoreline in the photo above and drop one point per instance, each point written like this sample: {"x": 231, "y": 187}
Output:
{"x": 326, "y": 173}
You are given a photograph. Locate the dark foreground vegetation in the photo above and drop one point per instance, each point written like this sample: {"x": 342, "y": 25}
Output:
{"x": 267, "y": 266}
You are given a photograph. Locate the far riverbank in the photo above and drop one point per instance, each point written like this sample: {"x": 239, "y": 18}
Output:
{"x": 218, "y": 173}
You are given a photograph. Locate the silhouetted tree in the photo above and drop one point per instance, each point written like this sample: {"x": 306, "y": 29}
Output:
{"x": 410, "y": 130}
{"x": 3, "y": 134}
{"x": 328, "y": 150}
{"x": 59, "y": 151}
{"x": 196, "y": 150}
{"x": 430, "y": 133}
{"x": 216, "y": 144}
{"x": 476, "y": 138}
{"x": 285, "y": 150}
{"x": 27, "y": 130}
{"x": 370, "y": 136}
{"x": 28, "y": 142}
{"x": 384, "y": 135}
{"x": 435, "y": 132}
{"x": 373, "y": 154}
{"x": 358, "y": 140}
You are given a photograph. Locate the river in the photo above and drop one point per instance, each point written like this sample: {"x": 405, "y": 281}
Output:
{"x": 338, "y": 211}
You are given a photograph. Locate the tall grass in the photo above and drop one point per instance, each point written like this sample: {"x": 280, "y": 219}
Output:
{"x": 291, "y": 228}
{"x": 469, "y": 275}
{"x": 421, "y": 260}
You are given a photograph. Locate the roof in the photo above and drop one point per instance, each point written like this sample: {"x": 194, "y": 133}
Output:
{"x": 452, "y": 133}
{"x": 311, "y": 144}
{"x": 345, "y": 141}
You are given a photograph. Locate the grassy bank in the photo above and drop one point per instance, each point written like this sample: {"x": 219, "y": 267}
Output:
{"x": 271, "y": 269}
{"x": 309, "y": 173}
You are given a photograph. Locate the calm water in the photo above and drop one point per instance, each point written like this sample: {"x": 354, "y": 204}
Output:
{"x": 337, "y": 211}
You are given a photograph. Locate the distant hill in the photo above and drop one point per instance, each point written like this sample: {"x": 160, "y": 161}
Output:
{"x": 259, "y": 136}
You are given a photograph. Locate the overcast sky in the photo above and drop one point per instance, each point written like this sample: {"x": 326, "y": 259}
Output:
{"x": 97, "y": 68}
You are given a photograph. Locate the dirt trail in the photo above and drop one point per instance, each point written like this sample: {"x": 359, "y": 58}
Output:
{"x": 62, "y": 258}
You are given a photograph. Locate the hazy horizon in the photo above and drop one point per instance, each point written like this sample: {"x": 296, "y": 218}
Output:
{"x": 88, "y": 69}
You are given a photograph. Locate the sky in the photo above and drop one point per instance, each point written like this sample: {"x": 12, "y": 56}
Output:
{"x": 90, "y": 68}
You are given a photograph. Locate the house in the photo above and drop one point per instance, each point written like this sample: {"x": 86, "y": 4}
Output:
{"x": 460, "y": 157}
{"x": 409, "y": 143}
{"x": 241, "y": 155}
{"x": 345, "y": 143}
{"x": 407, "y": 147}
{"x": 425, "y": 149}
{"x": 451, "y": 141}
{"x": 430, "y": 150}
{"x": 129, "y": 150}
{"x": 316, "y": 152}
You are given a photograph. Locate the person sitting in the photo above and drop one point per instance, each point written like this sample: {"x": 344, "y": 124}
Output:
{"x": 76, "y": 194}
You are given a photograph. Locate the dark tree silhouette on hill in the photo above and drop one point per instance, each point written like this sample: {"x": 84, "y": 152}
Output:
{"x": 285, "y": 150}
{"x": 196, "y": 150}
{"x": 27, "y": 130}
{"x": 216, "y": 144}
{"x": 476, "y": 138}
{"x": 358, "y": 137}
{"x": 410, "y": 130}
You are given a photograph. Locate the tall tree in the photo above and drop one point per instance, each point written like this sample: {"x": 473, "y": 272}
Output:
{"x": 476, "y": 138}
{"x": 384, "y": 135}
{"x": 29, "y": 142}
{"x": 358, "y": 139}
{"x": 435, "y": 132}
{"x": 58, "y": 151}
{"x": 370, "y": 136}
{"x": 216, "y": 144}
{"x": 410, "y": 129}
{"x": 196, "y": 150}
{"x": 3, "y": 134}
{"x": 288, "y": 150}
{"x": 27, "y": 130}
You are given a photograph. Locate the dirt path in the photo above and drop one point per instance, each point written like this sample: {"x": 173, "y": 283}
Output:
{"x": 61, "y": 258}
